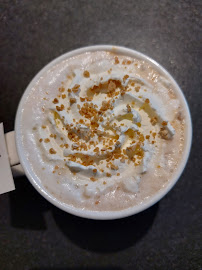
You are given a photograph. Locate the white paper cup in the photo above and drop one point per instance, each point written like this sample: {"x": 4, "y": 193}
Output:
{"x": 102, "y": 215}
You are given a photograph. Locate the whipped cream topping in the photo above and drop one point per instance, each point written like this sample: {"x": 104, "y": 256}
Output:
{"x": 104, "y": 121}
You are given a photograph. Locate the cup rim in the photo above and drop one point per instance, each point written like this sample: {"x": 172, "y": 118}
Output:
{"x": 91, "y": 214}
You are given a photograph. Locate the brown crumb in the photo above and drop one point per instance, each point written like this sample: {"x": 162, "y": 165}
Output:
{"x": 116, "y": 60}
{"x": 60, "y": 108}
{"x": 52, "y": 151}
{"x": 72, "y": 101}
{"x": 125, "y": 78}
{"x": 154, "y": 120}
{"x": 118, "y": 174}
{"x": 111, "y": 86}
{"x": 53, "y": 136}
{"x": 118, "y": 144}
{"x": 47, "y": 140}
{"x": 114, "y": 167}
{"x": 82, "y": 99}
{"x": 40, "y": 140}
{"x": 61, "y": 89}
{"x": 75, "y": 88}
{"x": 55, "y": 101}
{"x": 137, "y": 88}
{"x": 128, "y": 107}
{"x": 164, "y": 133}
{"x": 93, "y": 179}
{"x": 86, "y": 74}
{"x": 147, "y": 101}
{"x": 108, "y": 174}
{"x": 164, "y": 123}
{"x": 97, "y": 202}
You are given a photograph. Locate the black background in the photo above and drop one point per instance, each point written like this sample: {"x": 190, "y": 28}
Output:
{"x": 35, "y": 235}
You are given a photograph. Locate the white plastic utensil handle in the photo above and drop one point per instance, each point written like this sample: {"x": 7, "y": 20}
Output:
{"x": 9, "y": 161}
{"x": 16, "y": 168}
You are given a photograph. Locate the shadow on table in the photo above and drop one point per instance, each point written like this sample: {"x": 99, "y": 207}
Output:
{"x": 27, "y": 206}
{"x": 105, "y": 236}
{"x": 27, "y": 209}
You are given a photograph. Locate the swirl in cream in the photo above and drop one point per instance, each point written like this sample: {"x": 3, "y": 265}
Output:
{"x": 103, "y": 123}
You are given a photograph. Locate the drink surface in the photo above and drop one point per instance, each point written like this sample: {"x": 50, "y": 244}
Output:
{"x": 103, "y": 131}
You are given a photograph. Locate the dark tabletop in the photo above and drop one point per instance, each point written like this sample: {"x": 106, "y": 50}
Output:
{"x": 35, "y": 235}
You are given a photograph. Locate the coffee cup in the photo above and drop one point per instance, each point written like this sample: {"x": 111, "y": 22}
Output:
{"x": 21, "y": 164}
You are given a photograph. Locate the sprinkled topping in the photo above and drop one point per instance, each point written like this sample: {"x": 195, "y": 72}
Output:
{"x": 116, "y": 60}
{"x": 107, "y": 130}
{"x": 147, "y": 100}
{"x": 86, "y": 74}
{"x": 82, "y": 99}
{"x": 111, "y": 86}
{"x": 125, "y": 78}
{"x": 53, "y": 136}
{"x": 52, "y": 151}
{"x": 154, "y": 120}
{"x": 137, "y": 88}
{"x": 93, "y": 179}
{"x": 61, "y": 89}
{"x": 129, "y": 108}
{"x": 113, "y": 167}
{"x": 55, "y": 101}
{"x": 76, "y": 88}
{"x": 164, "y": 133}
{"x": 72, "y": 100}
{"x": 60, "y": 108}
